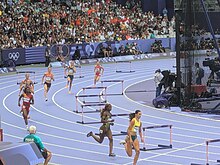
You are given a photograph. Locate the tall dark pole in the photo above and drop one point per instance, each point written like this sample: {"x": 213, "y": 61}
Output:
{"x": 178, "y": 80}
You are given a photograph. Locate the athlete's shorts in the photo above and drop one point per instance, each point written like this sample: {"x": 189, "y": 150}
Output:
{"x": 98, "y": 74}
{"x": 71, "y": 77}
{"x": 44, "y": 154}
{"x": 133, "y": 137}
{"x": 27, "y": 108}
{"x": 47, "y": 84}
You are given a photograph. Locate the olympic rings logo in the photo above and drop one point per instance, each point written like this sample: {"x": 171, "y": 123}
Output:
{"x": 14, "y": 56}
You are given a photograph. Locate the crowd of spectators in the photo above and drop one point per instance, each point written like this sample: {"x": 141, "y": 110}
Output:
{"x": 28, "y": 24}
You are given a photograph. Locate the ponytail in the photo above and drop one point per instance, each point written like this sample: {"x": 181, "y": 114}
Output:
{"x": 131, "y": 116}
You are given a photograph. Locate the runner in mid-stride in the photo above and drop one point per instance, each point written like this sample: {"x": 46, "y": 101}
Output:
{"x": 71, "y": 69}
{"x": 46, "y": 80}
{"x": 28, "y": 99}
{"x": 27, "y": 82}
{"x": 105, "y": 129}
{"x": 131, "y": 140}
{"x": 98, "y": 72}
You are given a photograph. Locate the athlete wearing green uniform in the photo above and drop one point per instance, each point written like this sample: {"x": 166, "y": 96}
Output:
{"x": 105, "y": 129}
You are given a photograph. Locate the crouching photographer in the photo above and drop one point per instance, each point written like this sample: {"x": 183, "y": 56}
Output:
{"x": 157, "y": 47}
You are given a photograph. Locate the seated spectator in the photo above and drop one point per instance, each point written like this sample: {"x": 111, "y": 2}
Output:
{"x": 36, "y": 139}
{"x": 157, "y": 47}
{"x": 122, "y": 50}
{"x": 109, "y": 51}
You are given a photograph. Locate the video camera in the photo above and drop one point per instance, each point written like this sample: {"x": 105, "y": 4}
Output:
{"x": 213, "y": 64}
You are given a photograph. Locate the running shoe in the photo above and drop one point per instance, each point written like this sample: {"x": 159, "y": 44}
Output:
{"x": 27, "y": 128}
{"x": 123, "y": 142}
{"x": 112, "y": 155}
{"x": 46, "y": 99}
{"x": 89, "y": 134}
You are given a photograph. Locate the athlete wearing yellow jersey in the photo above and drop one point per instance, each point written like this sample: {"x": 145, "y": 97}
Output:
{"x": 131, "y": 139}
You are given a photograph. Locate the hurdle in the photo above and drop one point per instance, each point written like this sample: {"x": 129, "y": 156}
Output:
{"x": 159, "y": 145}
{"x": 24, "y": 72}
{"x": 92, "y": 95}
{"x": 1, "y": 134}
{"x": 95, "y": 88}
{"x": 124, "y": 71}
{"x": 207, "y": 151}
{"x": 82, "y": 113}
{"x": 114, "y": 81}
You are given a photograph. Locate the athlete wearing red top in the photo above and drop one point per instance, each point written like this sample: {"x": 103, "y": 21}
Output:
{"x": 28, "y": 99}
{"x": 98, "y": 72}
{"x": 46, "y": 80}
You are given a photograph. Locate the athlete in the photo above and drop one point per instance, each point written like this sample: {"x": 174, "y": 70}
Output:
{"x": 98, "y": 72}
{"x": 46, "y": 80}
{"x": 131, "y": 140}
{"x": 28, "y": 99}
{"x": 105, "y": 130}
{"x": 27, "y": 82}
{"x": 71, "y": 69}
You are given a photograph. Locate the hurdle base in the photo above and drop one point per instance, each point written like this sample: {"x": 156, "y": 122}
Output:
{"x": 118, "y": 134}
{"x": 120, "y": 115}
{"x": 113, "y": 94}
{"x": 120, "y": 71}
{"x": 199, "y": 164}
{"x": 79, "y": 77}
{"x": 159, "y": 148}
{"x": 165, "y": 146}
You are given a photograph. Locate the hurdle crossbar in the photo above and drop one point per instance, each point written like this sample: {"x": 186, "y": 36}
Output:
{"x": 159, "y": 145}
{"x": 89, "y": 95}
{"x": 23, "y": 72}
{"x": 113, "y": 81}
{"x": 122, "y": 114}
{"x": 94, "y": 88}
{"x": 94, "y": 102}
{"x": 92, "y": 122}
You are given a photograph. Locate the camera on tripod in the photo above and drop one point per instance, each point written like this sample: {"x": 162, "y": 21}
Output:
{"x": 214, "y": 66}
